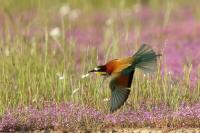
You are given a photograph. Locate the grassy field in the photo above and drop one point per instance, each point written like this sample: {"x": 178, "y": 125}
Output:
{"x": 47, "y": 45}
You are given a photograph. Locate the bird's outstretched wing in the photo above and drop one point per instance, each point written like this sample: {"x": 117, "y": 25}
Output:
{"x": 119, "y": 90}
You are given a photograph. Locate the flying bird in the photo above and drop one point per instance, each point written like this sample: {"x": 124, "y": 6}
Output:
{"x": 122, "y": 71}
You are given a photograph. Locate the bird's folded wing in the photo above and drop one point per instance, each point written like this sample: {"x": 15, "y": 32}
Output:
{"x": 123, "y": 64}
{"x": 121, "y": 67}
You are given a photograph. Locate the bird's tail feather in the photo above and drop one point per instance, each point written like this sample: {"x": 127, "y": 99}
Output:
{"x": 145, "y": 58}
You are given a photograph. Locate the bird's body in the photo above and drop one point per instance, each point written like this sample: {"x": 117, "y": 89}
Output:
{"x": 117, "y": 65}
{"x": 122, "y": 71}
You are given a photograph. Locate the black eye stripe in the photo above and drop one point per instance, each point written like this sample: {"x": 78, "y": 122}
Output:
{"x": 102, "y": 68}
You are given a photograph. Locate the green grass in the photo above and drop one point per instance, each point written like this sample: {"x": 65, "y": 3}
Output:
{"x": 30, "y": 71}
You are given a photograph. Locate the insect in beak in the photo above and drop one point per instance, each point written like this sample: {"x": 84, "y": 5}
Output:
{"x": 85, "y": 75}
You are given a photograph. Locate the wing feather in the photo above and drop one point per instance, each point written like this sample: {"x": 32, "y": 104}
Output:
{"x": 119, "y": 90}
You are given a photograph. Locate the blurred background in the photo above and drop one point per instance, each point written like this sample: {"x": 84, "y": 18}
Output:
{"x": 47, "y": 45}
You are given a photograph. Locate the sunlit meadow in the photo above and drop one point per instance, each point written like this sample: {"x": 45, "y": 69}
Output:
{"x": 45, "y": 47}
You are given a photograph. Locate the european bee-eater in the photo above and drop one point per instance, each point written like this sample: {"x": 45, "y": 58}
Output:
{"x": 122, "y": 71}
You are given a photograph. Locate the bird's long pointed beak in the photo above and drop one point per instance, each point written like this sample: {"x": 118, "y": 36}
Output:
{"x": 96, "y": 70}
{"x": 86, "y": 75}
{"x": 92, "y": 71}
